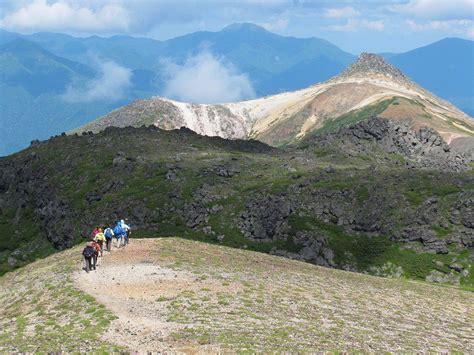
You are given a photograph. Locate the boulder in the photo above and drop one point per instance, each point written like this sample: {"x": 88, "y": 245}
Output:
{"x": 195, "y": 214}
{"x": 266, "y": 218}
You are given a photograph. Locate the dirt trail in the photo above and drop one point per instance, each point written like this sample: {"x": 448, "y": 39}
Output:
{"x": 130, "y": 282}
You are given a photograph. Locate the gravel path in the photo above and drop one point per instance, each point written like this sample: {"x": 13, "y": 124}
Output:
{"x": 129, "y": 284}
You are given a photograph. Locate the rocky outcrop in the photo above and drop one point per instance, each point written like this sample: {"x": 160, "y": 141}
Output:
{"x": 33, "y": 190}
{"x": 464, "y": 145}
{"x": 463, "y": 212}
{"x": 439, "y": 277}
{"x": 266, "y": 219}
{"x": 423, "y": 149}
{"x": 195, "y": 215}
{"x": 425, "y": 236}
{"x": 313, "y": 248}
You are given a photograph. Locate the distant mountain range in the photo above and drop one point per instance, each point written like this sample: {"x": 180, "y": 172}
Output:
{"x": 36, "y": 72}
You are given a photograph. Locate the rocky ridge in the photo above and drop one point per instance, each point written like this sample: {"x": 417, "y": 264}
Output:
{"x": 423, "y": 148}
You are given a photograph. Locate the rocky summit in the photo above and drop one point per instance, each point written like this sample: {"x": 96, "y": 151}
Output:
{"x": 376, "y": 197}
{"x": 369, "y": 64}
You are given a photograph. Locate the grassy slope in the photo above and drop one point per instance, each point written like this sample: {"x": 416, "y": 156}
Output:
{"x": 256, "y": 302}
{"x": 355, "y": 116}
{"x": 42, "y": 311}
{"x": 380, "y": 107}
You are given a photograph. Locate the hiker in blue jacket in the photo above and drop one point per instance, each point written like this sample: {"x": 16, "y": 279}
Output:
{"x": 109, "y": 234}
{"x": 119, "y": 234}
{"x": 127, "y": 230}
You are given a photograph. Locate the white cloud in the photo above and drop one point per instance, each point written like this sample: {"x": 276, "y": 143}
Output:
{"x": 205, "y": 78}
{"x": 470, "y": 33}
{"x": 456, "y": 27}
{"x": 341, "y": 12}
{"x": 437, "y": 9}
{"x": 374, "y": 25}
{"x": 63, "y": 15}
{"x": 112, "y": 83}
{"x": 279, "y": 24}
{"x": 355, "y": 25}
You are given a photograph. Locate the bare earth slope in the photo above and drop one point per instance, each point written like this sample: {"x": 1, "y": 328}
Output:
{"x": 192, "y": 297}
{"x": 369, "y": 86}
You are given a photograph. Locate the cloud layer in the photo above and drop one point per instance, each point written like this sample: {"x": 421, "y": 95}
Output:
{"x": 437, "y": 9}
{"x": 111, "y": 84}
{"x": 341, "y": 12}
{"x": 62, "y": 16}
{"x": 205, "y": 78}
{"x": 355, "y": 25}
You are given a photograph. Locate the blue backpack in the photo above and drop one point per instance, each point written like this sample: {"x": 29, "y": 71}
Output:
{"x": 108, "y": 233}
{"x": 118, "y": 230}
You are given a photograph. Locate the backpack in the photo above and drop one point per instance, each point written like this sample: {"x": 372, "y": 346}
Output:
{"x": 118, "y": 230}
{"x": 88, "y": 252}
{"x": 108, "y": 233}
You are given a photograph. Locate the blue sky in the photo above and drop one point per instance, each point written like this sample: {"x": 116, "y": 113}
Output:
{"x": 355, "y": 26}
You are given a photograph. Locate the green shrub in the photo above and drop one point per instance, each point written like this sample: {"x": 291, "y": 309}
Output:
{"x": 440, "y": 231}
{"x": 414, "y": 197}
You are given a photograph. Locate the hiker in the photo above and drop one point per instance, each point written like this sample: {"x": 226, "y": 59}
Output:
{"x": 100, "y": 239}
{"x": 118, "y": 232}
{"x": 95, "y": 231}
{"x": 89, "y": 252}
{"x": 98, "y": 250}
{"x": 127, "y": 231}
{"x": 109, "y": 234}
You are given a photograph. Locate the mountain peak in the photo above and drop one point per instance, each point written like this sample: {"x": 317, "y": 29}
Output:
{"x": 369, "y": 63}
{"x": 243, "y": 26}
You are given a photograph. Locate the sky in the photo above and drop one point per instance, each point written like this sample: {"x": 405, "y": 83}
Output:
{"x": 354, "y": 26}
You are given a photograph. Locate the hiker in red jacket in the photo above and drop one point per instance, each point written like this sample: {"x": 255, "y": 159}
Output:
{"x": 98, "y": 251}
{"x": 95, "y": 231}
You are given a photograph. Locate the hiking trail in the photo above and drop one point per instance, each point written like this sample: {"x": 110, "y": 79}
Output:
{"x": 128, "y": 281}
